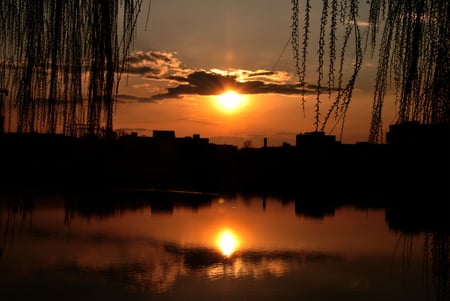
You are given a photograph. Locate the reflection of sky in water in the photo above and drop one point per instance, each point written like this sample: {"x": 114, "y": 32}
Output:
{"x": 139, "y": 251}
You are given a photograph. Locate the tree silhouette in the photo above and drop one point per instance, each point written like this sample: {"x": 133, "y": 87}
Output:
{"x": 61, "y": 61}
{"x": 413, "y": 53}
{"x": 54, "y": 53}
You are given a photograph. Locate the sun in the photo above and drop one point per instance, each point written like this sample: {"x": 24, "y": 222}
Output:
{"x": 230, "y": 101}
{"x": 227, "y": 242}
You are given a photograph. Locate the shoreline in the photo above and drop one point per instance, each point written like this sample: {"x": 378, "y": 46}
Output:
{"x": 57, "y": 162}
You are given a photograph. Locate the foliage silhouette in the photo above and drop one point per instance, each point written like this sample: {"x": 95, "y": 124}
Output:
{"x": 61, "y": 62}
{"x": 413, "y": 52}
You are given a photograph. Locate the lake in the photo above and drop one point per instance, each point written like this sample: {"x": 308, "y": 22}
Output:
{"x": 147, "y": 245}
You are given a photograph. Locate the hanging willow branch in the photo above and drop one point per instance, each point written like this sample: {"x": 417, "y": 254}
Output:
{"x": 342, "y": 13}
{"x": 300, "y": 56}
{"x": 413, "y": 53}
{"x": 61, "y": 61}
{"x": 295, "y": 38}
{"x": 332, "y": 47}
{"x": 419, "y": 54}
{"x": 321, "y": 54}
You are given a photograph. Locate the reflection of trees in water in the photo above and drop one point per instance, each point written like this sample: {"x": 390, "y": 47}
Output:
{"x": 405, "y": 243}
{"x": 437, "y": 256}
{"x": 176, "y": 260}
{"x": 432, "y": 220}
{"x": 103, "y": 204}
{"x": 436, "y": 260}
{"x": 15, "y": 208}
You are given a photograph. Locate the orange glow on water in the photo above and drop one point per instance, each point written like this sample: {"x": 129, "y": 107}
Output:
{"x": 227, "y": 242}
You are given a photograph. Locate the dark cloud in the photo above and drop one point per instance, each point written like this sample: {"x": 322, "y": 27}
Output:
{"x": 142, "y": 70}
{"x": 209, "y": 83}
{"x": 159, "y": 97}
{"x": 164, "y": 66}
{"x": 260, "y": 73}
{"x": 152, "y": 64}
{"x": 126, "y": 98}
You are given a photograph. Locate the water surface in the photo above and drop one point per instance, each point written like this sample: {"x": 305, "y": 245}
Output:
{"x": 208, "y": 247}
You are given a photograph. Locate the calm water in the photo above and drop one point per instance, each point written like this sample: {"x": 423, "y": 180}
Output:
{"x": 189, "y": 247}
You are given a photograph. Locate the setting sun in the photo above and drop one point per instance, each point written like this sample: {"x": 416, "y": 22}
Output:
{"x": 227, "y": 242}
{"x": 230, "y": 101}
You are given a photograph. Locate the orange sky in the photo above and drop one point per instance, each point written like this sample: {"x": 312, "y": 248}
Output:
{"x": 191, "y": 51}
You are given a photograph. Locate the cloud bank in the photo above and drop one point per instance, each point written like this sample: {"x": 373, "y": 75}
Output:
{"x": 179, "y": 82}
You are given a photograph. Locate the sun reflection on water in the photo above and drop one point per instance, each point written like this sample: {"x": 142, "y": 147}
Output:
{"x": 244, "y": 268}
{"x": 227, "y": 242}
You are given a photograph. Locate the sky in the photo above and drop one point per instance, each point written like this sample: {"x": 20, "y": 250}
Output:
{"x": 187, "y": 53}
